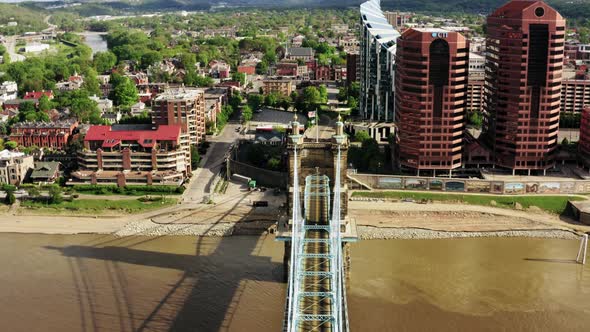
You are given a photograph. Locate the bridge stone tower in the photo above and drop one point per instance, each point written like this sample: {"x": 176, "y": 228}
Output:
{"x": 318, "y": 157}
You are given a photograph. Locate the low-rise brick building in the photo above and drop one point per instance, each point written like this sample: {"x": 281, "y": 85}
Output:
{"x": 50, "y": 135}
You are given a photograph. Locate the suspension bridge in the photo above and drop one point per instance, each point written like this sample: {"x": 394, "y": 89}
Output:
{"x": 315, "y": 234}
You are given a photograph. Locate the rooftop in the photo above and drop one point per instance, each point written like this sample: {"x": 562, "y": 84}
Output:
{"x": 145, "y": 135}
{"x": 179, "y": 94}
{"x": 7, "y": 154}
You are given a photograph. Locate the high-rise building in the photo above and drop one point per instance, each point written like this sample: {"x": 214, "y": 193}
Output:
{"x": 184, "y": 107}
{"x": 398, "y": 19}
{"x": 475, "y": 82}
{"x": 584, "y": 142}
{"x": 430, "y": 98}
{"x": 377, "y": 57}
{"x": 525, "y": 46}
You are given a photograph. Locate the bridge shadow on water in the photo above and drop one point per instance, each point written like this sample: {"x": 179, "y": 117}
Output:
{"x": 206, "y": 296}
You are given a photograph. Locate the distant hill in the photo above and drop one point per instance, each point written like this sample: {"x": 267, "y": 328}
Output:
{"x": 26, "y": 19}
{"x": 569, "y": 8}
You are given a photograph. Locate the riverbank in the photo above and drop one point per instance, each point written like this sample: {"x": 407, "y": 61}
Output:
{"x": 375, "y": 220}
{"x": 381, "y": 233}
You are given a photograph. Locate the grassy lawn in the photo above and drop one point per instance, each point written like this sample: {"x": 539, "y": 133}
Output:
{"x": 553, "y": 204}
{"x": 96, "y": 206}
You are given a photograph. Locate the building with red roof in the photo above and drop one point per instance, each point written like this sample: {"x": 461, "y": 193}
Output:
{"x": 38, "y": 94}
{"x": 126, "y": 155}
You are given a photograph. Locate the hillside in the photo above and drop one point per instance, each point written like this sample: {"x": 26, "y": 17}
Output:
{"x": 27, "y": 19}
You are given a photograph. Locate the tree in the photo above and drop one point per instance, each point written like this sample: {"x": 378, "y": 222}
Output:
{"x": 55, "y": 195}
{"x": 273, "y": 163}
{"x": 361, "y": 136}
{"x": 255, "y": 101}
{"x": 10, "y": 145}
{"x": 285, "y": 103}
{"x": 10, "y": 198}
{"x": 104, "y": 61}
{"x": 34, "y": 192}
{"x": 311, "y": 98}
{"x": 246, "y": 114}
{"x": 195, "y": 157}
{"x": 91, "y": 84}
{"x": 323, "y": 93}
{"x": 124, "y": 93}
{"x": 45, "y": 104}
{"x": 239, "y": 77}
{"x": 271, "y": 99}
{"x": 149, "y": 58}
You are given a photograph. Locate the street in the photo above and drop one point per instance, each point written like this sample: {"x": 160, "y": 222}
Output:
{"x": 200, "y": 184}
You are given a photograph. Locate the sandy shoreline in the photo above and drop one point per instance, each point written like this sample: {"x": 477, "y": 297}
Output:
{"x": 374, "y": 220}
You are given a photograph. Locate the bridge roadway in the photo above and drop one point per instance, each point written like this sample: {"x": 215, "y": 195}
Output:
{"x": 316, "y": 285}
{"x": 316, "y": 300}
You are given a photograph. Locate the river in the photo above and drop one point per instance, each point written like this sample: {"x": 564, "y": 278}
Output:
{"x": 102, "y": 283}
{"x": 95, "y": 41}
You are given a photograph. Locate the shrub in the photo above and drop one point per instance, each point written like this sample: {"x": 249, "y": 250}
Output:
{"x": 10, "y": 198}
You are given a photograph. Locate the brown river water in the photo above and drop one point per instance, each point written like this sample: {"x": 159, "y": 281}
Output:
{"x": 102, "y": 283}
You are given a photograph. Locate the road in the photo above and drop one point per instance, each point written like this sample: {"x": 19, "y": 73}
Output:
{"x": 200, "y": 186}
{"x": 11, "y": 48}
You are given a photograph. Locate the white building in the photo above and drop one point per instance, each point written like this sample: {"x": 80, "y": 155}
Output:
{"x": 14, "y": 166}
{"x": 104, "y": 105}
{"x": 137, "y": 109}
{"x": 36, "y": 48}
{"x": 8, "y": 91}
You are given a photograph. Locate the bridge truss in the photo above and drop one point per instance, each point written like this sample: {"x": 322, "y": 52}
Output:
{"x": 316, "y": 299}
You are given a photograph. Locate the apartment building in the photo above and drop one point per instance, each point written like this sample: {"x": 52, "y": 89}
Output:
{"x": 132, "y": 155}
{"x": 184, "y": 107}
{"x": 14, "y": 167}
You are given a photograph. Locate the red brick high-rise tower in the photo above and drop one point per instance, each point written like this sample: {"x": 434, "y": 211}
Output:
{"x": 524, "y": 65}
{"x": 430, "y": 98}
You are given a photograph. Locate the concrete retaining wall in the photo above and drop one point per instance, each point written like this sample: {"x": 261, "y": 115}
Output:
{"x": 263, "y": 177}
{"x": 473, "y": 186}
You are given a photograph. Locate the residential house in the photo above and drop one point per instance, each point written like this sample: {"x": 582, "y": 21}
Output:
{"x": 45, "y": 172}
{"x": 219, "y": 69}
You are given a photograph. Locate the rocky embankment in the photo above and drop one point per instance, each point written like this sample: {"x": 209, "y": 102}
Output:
{"x": 383, "y": 233}
{"x": 150, "y": 228}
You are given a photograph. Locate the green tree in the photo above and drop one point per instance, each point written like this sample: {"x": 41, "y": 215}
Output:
{"x": 124, "y": 93}
{"x": 104, "y": 61}
{"x": 9, "y": 199}
{"x": 239, "y": 77}
{"x": 195, "y": 157}
{"x": 33, "y": 192}
{"x": 91, "y": 83}
{"x": 246, "y": 114}
{"x": 272, "y": 99}
{"x": 311, "y": 98}
{"x": 45, "y": 104}
{"x": 55, "y": 195}
{"x": 149, "y": 58}
{"x": 361, "y": 136}
{"x": 10, "y": 145}
{"x": 255, "y": 101}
